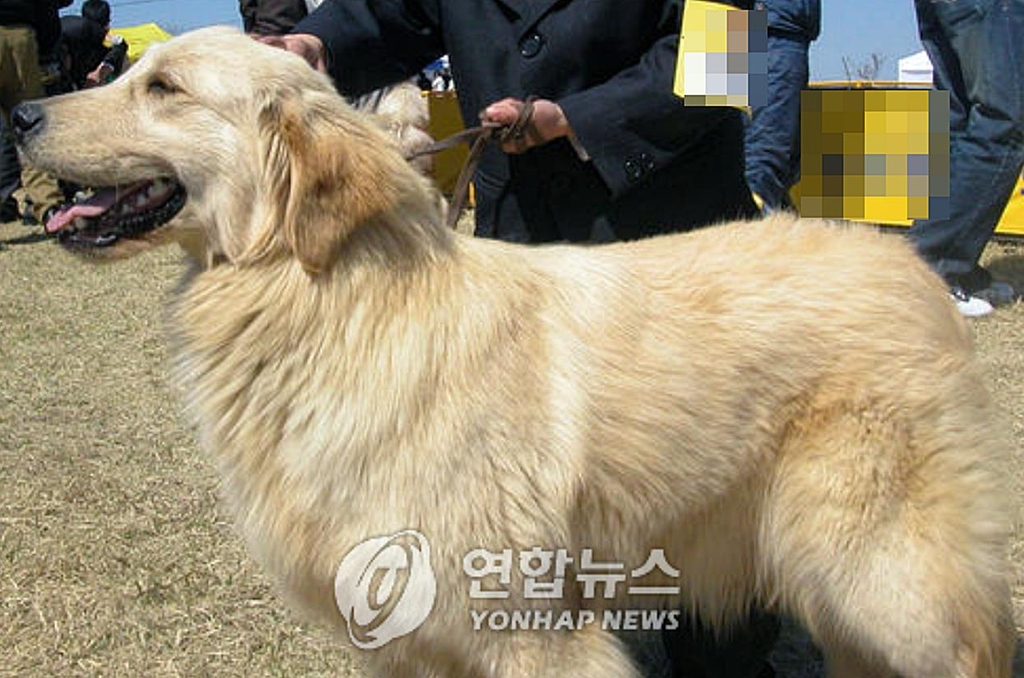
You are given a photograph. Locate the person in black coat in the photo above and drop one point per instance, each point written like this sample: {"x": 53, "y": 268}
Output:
{"x": 619, "y": 157}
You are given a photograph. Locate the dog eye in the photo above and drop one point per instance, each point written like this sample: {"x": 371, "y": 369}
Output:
{"x": 160, "y": 85}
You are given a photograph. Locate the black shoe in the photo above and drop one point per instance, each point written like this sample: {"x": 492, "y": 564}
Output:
{"x": 9, "y": 211}
{"x": 27, "y": 218}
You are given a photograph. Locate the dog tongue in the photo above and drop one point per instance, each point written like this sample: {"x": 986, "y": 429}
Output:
{"x": 101, "y": 201}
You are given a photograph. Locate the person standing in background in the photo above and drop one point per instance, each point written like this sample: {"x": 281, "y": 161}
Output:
{"x": 10, "y": 175}
{"x": 89, "y": 61}
{"x": 773, "y": 135}
{"x": 27, "y": 29}
{"x": 977, "y": 53}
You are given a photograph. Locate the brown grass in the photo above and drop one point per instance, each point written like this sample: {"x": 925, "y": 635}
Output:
{"x": 115, "y": 559}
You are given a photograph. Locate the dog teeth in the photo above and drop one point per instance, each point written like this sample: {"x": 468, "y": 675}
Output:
{"x": 159, "y": 189}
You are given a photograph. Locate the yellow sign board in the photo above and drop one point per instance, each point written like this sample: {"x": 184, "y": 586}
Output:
{"x": 1012, "y": 221}
{"x": 446, "y": 120}
{"x": 722, "y": 57}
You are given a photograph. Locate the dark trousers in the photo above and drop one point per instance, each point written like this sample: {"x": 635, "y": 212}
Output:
{"x": 773, "y": 135}
{"x": 10, "y": 168}
{"x": 696, "y": 652}
{"x": 977, "y": 50}
{"x": 20, "y": 80}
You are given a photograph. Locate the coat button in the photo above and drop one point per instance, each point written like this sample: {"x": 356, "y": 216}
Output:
{"x": 531, "y": 45}
{"x": 634, "y": 170}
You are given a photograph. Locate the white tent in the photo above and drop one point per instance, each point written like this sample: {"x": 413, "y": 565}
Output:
{"x": 915, "y": 68}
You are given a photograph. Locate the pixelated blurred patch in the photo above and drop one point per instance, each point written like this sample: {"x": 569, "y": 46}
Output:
{"x": 890, "y": 146}
{"x": 723, "y": 56}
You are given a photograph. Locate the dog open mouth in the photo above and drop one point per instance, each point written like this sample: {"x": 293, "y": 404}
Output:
{"x": 113, "y": 214}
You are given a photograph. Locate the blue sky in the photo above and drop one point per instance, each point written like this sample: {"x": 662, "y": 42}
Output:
{"x": 851, "y": 29}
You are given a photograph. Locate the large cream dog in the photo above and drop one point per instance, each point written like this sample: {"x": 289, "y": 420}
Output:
{"x": 791, "y": 411}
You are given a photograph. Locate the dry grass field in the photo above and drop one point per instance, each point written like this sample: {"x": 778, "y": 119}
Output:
{"x": 115, "y": 559}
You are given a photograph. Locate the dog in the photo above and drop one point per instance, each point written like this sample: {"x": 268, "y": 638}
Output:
{"x": 787, "y": 413}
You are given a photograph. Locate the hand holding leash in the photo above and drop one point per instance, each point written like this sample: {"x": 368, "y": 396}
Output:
{"x": 526, "y": 124}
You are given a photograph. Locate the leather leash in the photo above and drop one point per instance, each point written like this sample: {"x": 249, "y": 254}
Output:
{"x": 478, "y": 137}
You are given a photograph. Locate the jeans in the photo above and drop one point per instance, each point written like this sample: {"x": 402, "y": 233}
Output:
{"x": 977, "y": 50}
{"x": 773, "y": 135}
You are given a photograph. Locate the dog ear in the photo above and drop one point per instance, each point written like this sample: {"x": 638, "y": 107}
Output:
{"x": 337, "y": 178}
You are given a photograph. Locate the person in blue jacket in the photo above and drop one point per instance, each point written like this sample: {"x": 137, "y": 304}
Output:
{"x": 977, "y": 52}
{"x": 773, "y": 136}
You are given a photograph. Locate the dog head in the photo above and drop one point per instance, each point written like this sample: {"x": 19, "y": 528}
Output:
{"x": 215, "y": 136}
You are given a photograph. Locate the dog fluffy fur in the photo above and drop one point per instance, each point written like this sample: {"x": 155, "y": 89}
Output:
{"x": 792, "y": 410}
{"x": 406, "y": 115}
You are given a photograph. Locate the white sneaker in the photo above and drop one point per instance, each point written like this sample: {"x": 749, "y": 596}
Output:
{"x": 969, "y": 305}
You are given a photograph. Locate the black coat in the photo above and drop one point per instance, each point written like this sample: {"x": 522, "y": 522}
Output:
{"x": 84, "y": 44}
{"x": 271, "y": 17}
{"x": 656, "y": 165}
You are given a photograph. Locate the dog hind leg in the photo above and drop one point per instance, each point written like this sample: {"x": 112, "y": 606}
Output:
{"x": 889, "y": 545}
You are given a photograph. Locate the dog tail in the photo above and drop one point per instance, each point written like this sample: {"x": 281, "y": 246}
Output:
{"x": 986, "y": 633}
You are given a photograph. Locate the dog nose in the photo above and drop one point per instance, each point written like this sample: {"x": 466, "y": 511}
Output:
{"x": 26, "y": 119}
